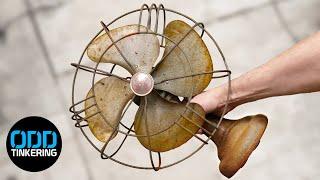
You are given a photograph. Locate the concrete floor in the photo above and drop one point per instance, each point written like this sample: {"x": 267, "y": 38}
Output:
{"x": 39, "y": 39}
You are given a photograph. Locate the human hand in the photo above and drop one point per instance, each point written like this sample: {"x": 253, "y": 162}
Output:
{"x": 214, "y": 100}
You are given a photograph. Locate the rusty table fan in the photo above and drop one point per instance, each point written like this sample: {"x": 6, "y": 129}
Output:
{"x": 162, "y": 89}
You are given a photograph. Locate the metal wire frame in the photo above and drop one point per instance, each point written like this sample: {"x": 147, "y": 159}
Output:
{"x": 95, "y": 70}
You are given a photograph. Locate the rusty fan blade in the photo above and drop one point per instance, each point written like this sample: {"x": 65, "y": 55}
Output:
{"x": 236, "y": 140}
{"x": 140, "y": 50}
{"x": 169, "y": 124}
{"x": 191, "y": 57}
{"x": 112, "y": 95}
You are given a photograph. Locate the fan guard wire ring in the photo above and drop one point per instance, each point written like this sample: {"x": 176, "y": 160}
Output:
{"x": 80, "y": 119}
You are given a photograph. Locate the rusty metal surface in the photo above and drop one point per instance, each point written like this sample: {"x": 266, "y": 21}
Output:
{"x": 191, "y": 76}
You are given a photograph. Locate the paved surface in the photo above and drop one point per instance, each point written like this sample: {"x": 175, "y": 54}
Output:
{"x": 39, "y": 39}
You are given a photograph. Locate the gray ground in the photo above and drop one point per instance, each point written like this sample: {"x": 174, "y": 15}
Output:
{"x": 39, "y": 39}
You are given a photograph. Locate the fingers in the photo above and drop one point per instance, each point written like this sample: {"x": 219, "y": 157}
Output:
{"x": 208, "y": 100}
{"x": 214, "y": 101}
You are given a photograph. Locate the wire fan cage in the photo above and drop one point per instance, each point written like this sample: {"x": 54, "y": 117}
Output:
{"x": 157, "y": 13}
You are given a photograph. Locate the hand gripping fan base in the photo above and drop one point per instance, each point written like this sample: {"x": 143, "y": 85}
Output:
{"x": 162, "y": 89}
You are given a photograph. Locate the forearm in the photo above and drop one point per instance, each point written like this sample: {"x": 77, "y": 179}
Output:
{"x": 296, "y": 70}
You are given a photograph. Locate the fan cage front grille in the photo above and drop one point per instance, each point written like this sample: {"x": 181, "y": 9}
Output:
{"x": 81, "y": 122}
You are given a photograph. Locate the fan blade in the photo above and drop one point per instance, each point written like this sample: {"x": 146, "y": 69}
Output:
{"x": 112, "y": 95}
{"x": 140, "y": 50}
{"x": 162, "y": 115}
{"x": 190, "y": 57}
{"x": 236, "y": 140}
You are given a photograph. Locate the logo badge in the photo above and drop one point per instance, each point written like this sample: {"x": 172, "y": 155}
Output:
{"x": 34, "y": 144}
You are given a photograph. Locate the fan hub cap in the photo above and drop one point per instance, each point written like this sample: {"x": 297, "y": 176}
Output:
{"x": 141, "y": 84}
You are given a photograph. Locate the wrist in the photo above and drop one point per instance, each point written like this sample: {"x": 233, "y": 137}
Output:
{"x": 226, "y": 99}
{"x": 241, "y": 90}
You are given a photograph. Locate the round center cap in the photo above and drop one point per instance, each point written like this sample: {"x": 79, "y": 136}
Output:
{"x": 141, "y": 83}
